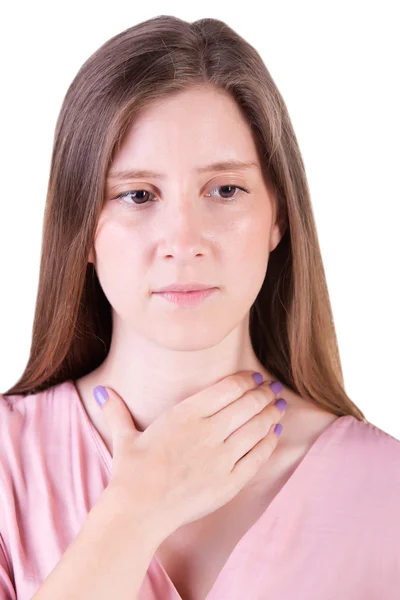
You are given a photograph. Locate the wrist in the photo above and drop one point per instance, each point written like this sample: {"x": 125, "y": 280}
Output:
{"x": 136, "y": 516}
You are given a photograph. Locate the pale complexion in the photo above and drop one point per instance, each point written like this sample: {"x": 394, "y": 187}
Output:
{"x": 185, "y": 226}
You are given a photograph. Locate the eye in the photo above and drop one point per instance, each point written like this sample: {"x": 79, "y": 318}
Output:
{"x": 235, "y": 187}
{"x": 138, "y": 195}
{"x": 124, "y": 195}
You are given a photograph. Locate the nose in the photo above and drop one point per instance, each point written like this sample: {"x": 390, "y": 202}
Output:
{"x": 182, "y": 231}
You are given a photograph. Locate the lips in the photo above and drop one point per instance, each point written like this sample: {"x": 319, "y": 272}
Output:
{"x": 184, "y": 287}
{"x": 188, "y": 299}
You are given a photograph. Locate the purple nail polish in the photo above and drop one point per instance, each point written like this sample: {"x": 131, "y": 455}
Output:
{"x": 258, "y": 378}
{"x": 276, "y": 387}
{"x": 281, "y": 404}
{"x": 101, "y": 395}
{"x": 278, "y": 428}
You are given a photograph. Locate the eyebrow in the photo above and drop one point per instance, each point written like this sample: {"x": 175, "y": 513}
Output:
{"x": 224, "y": 165}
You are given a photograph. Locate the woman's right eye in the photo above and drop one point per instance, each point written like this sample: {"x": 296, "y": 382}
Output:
{"x": 124, "y": 195}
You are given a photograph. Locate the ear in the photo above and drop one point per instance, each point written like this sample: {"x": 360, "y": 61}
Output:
{"x": 279, "y": 216}
{"x": 91, "y": 256}
{"x": 277, "y": 232}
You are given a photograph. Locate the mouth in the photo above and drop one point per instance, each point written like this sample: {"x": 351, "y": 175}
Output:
{"x": 191, "y": 286}
{"x": 186, "y": 298}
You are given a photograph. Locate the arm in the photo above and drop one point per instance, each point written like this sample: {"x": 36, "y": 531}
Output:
{"x": 108, "y": 558}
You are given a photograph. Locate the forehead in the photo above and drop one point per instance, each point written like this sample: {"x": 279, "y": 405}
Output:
{"x": 192, "y": 129}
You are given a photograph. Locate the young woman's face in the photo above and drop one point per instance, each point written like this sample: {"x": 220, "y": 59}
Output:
{"x": 187, "y": 224}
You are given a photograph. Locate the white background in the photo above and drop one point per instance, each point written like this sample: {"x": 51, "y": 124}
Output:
{"x": 337, "y": 67}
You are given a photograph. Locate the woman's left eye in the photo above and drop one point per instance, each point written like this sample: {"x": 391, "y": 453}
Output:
{"x": 231, "y": 199}
{"x": 236, "y": 187}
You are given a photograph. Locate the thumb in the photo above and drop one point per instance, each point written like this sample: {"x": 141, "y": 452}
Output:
{"x": 118, "y": 417}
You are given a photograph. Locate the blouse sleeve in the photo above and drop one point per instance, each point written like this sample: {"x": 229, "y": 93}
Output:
{"x": 7, "y": 590}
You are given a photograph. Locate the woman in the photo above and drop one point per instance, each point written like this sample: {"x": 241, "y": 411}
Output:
{"x": 175, "y": 164}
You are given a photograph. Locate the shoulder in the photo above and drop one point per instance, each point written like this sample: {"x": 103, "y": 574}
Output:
{"x": 367, "y": 440}
{"x": 19, "y": 412}
{"x": 15, "y": 413}
{"x": 38, "y": 435}
{"x": 365, "y": 464}
{"x": 29, "y": 423}
{"x": 364, "y": 447}
{"x": 369, "y": 472}
{"x": 19, "y": 407}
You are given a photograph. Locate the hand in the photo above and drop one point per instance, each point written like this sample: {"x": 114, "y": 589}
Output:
{"x": 197, "y": 455}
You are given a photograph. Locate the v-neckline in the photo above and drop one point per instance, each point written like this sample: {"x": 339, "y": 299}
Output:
{"x": 261, "y": 524}
{"x": 262, "y": 519}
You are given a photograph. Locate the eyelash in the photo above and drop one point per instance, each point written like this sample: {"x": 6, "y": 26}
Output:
{"x": 123, "y": 195}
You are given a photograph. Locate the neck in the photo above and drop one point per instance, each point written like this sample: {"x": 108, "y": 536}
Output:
{"x": 151, "y": 378}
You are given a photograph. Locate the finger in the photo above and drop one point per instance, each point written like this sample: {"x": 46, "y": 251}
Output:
{"x": 240, "y": 411}
{"x": 118, "y": 416}
{"x": 221, "y": 394}
{"x": 244, "y": 439}
{"x": 249, "y": 465}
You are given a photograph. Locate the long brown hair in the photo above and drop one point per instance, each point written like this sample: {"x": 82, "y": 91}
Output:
{"x": 291, "y": 322}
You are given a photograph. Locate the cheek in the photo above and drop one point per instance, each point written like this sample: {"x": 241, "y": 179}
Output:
{"x": 246, "y": 262}
{"x": 116, "y": 247}
{"x": 249, "y": 248}
{"x": 117, "y": 263}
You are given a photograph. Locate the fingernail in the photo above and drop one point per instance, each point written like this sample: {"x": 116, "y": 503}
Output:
{"x": 278, "y": 428}
{"x": 281, "y": 404}
{"x": 258, "y": 378}
{"x": 101, "y": 395}
{"x": 276, "y": 387}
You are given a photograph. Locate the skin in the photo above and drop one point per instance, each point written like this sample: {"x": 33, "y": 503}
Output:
{"x": 182, "y": 230}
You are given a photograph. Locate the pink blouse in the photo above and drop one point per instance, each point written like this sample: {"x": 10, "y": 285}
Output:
{"x": 332, "y": 531}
